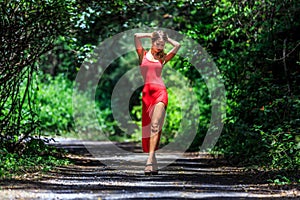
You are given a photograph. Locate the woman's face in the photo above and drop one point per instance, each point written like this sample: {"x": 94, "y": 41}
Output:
{"x": 158, "y": 45}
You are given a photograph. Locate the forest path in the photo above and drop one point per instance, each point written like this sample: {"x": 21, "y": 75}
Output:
{"x": 112, "y": 176}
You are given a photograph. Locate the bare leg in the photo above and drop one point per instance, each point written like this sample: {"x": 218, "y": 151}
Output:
{"x": 157, "y": 121}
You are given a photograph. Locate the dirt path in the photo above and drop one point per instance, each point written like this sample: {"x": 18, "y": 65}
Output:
{"x": 190, "y": 177}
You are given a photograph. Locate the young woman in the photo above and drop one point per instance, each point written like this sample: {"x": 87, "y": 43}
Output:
{"x": 155, "y": 97}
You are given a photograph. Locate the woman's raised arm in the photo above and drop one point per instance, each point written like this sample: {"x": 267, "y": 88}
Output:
{"x": 172, "y": 53}
{"x": 138, "y": 43}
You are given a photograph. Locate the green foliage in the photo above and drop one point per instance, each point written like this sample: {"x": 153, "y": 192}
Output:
{"x": 33, "y": 156}
{"x": 55, "y": 104}
{"x": 281, "y": 180}
{"x": 56, "y": 97}
{"x": 262, "y": 93}
{"x": 257, "y": 51}
{"x": 247, "y": 40}
{"x": 28, "y": 29}
{"x": 254, "y": 44}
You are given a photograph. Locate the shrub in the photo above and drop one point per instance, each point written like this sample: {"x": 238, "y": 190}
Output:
{"x": 56, "y": 96}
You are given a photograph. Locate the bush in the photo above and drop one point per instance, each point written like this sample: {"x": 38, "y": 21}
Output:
{"x": 34, "y": 155}
{"x": 56, "y": 98}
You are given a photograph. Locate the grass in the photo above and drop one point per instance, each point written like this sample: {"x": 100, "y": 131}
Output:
{"x": 35, "y": 157}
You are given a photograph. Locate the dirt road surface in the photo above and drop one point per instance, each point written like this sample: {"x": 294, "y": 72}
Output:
{"x": 108, "y": 175}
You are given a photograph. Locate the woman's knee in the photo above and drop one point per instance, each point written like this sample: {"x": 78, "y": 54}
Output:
{"x": 160, "y": 105}
{"x": 155, "y": 126}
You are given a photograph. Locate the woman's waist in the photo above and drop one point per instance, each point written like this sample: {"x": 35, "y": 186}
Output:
{"x": 154, "y": 85}
{"x": 154, "y": 81}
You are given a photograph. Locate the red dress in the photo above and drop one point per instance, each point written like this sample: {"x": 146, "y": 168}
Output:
{"x": 154, "y": 91}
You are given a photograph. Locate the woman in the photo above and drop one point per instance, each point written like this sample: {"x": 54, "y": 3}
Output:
{"x": 155, "y": 97}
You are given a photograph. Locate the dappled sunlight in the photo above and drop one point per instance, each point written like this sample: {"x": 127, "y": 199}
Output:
{"x": 193, "y": 176}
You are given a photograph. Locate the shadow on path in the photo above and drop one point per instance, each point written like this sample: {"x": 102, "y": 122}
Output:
{"x": 192, "y": 177}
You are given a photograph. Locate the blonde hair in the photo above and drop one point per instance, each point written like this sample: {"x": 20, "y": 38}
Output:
{"x": 160, "y": 35}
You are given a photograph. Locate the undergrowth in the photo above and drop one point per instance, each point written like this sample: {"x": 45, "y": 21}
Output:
{"x": 42, "y": 158}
